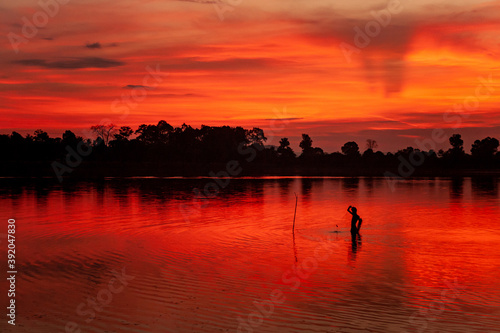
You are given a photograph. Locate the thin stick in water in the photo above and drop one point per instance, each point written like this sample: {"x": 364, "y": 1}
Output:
{"x": 295, "y": 213}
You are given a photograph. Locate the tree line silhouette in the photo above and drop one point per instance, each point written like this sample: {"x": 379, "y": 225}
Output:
{"x": 163, "y": 150}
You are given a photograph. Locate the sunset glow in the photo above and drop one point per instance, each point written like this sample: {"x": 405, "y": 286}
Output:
{"x": 262, "y": 57}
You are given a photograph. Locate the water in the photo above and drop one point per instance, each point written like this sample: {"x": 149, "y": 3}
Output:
{"x": 428, "y": 259}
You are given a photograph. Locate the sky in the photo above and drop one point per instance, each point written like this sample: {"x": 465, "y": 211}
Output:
{"x": 339, "y": 71}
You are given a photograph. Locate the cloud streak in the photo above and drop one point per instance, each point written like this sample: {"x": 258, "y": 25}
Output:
{"x": 75, "y": 63}
{"x": 96, "y": 45}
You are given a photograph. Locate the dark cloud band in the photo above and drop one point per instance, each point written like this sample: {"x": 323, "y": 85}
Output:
{"x": 74, "y": 63}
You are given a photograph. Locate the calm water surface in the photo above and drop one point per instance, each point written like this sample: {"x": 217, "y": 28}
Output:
{"x": 427, "y": 261}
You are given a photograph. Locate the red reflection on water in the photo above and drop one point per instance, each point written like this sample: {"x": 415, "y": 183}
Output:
{"x": 201, "y": 273}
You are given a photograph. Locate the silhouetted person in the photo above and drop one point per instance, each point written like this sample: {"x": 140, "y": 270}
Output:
{"x": 355, "y": 218}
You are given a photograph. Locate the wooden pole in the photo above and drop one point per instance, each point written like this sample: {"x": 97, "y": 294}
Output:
{"x": 295, "y": 213}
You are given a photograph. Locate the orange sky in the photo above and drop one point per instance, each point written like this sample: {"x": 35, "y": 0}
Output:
{"x": 264, "y": 57}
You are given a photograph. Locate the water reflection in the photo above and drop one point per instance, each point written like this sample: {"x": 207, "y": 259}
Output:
{"x": 203, "y": 275}
{"x": 306, "y": 187}
{"x": 485, "y": 186}
{"x": 350, "y": 184}
{"x": 457, "y": 188}
{"x": 284, "y": 188}
{"x": 369, "y": 184}
{"x": 355, "y": 246}
{"x": 294, "y": 246}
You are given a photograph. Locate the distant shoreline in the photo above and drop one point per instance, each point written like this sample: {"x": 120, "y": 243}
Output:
{"x": 164, "y": 151}
{"x": 100, "y": 170}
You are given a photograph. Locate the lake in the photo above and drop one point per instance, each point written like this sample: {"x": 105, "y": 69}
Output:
{"x": 151, "y": 255}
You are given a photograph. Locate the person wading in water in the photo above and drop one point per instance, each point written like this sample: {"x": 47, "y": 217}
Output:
{"x": 355, "y": 218}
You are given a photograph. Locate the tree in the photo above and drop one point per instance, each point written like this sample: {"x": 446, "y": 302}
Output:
{"x": 407, "y": 151}
{"x": 307, "y": 149}
{"x": 284, "y": 149}
{"x": 350, "y": 149}
{"x": 151, "y": 134}
{"x": 371, "y": 144}
{"x": 457, "y": 150}
{"x": 485, "y": 148}
{"x": 256, "y": 136}
{"x": 164, "y": 130}
{"x": 284, "y": 144}
{"x": 16, "y": 138}
{"x": 146, "y": 133}
{"x": 317, "y": 151}
{"x": 306, "y": 143}
{"x": 124, "y": 133}
{"x": 68, "y": 137}
{"x": 456, "y": 142}
{"x": 104, "y": 132}
{"x": 41, "y": 136}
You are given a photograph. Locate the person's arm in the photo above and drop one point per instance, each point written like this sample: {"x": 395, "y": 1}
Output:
{"x": 359, "y": 223}
{"x": 349, "y": 209}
